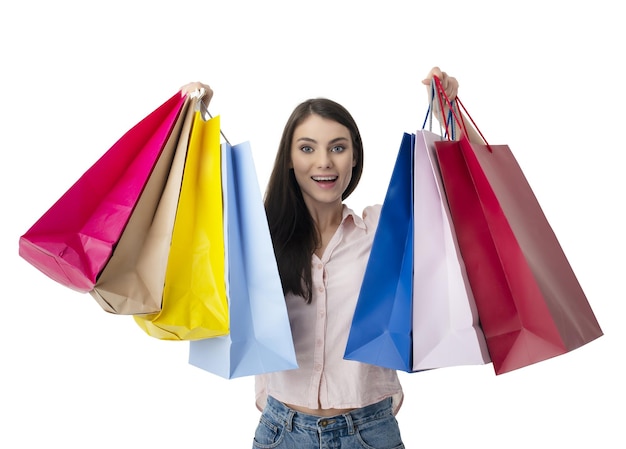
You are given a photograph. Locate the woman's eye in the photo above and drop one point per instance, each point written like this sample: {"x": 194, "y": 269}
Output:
{"x": 306, "y": 149}
{"x": 337, "y": 149}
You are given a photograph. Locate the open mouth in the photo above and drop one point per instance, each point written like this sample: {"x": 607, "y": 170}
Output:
{"x": 324, "y": 179}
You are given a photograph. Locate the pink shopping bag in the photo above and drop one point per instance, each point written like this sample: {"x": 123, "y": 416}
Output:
{"x": 72, "y": 242}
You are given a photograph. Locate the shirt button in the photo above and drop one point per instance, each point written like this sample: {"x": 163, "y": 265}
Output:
{"x": 320, "y": 266}
{"x": 318, "y": 367}
{"x": 321, "y": 289}
{"x": 319, "y": 342}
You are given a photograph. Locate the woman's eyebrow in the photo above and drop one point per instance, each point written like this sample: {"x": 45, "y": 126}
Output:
{"x": 335, "y": 140}
{"x": 306, "y": 139}
{"x": 339, "y": 139}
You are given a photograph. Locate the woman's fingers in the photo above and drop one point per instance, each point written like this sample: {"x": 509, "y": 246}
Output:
{"x": 197, "y": 86}
{"x": 449, "y": 83}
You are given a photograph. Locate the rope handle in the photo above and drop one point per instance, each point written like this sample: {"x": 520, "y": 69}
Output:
{"x": 458, "y": 117}
{"x": 433, "y": 108}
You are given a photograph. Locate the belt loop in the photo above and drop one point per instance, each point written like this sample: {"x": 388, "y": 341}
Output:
{"x": 289, "y": 423}
{"x": 350, "y": 424}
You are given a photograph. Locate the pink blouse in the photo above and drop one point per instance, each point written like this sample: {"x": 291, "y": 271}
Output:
{"x": 320, "y": 330}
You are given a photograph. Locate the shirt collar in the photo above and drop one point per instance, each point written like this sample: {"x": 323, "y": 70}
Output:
{"x": 347, "y": 212}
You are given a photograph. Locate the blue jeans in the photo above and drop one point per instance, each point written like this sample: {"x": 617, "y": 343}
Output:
{"x": 370, "y": 427}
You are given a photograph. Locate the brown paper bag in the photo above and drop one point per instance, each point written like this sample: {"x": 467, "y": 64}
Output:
{"x": 132, "y": 281}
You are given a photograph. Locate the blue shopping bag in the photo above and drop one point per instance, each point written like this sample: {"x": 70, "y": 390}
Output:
{"x": 380, "y": 333}
{"x": 260, "y": 339}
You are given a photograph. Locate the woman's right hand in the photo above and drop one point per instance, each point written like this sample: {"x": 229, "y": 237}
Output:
{"x": 197, "y": 86}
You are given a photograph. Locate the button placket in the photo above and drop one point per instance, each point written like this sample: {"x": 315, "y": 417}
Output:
{"x": 320, "y": 323}
{"x": 319, "y": 287}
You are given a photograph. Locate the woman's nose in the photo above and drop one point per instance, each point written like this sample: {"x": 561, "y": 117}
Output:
{"x": 324, "y": 159}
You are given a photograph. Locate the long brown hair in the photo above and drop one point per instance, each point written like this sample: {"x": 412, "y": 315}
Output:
{"x": 293, "y": 230}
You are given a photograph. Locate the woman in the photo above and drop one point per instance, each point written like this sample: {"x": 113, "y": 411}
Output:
{"x": 322, "y": 248}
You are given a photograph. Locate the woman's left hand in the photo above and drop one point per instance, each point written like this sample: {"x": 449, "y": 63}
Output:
{"x": 451, "y": 88}
{"x": 449, "y": 83}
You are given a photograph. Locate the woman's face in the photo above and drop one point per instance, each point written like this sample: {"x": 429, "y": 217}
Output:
{"x": 322, "y": 158}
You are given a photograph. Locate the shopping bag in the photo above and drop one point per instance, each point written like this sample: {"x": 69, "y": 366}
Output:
{"x": 446, "y": 329}
{"x": 132, "y": 281}
{"x": 530, "y": 303}
{"x": 74, "y": 239}
{"x": 260, "y": 339}
{"x": 380, "y": 333}
{"x": 194, "y": 294}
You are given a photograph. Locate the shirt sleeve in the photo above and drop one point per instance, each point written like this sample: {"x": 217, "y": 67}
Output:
{"x": 371, "y": 216}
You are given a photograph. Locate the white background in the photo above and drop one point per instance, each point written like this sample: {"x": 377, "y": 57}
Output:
{"x": 547, "y": 80}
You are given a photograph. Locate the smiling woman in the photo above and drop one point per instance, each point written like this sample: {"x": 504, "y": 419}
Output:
{"x": 319, "y": 163}
{"x": 299, "y": 218}
{"x": 322, "y": 160}
{"x": 322, "y": 249}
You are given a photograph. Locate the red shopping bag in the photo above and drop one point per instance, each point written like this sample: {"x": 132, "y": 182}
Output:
{"x": 73, "y": 240}
{"x": 530, "y": 303}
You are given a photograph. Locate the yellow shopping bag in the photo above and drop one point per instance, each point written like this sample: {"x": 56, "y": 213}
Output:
{"x": 194, "y": 295}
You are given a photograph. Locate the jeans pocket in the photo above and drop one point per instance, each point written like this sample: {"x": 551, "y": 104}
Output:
{"x": 268, "y": 434}
{"x": 383, "y": 433}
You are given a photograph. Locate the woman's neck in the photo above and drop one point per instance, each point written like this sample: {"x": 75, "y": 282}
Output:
{"x": 327, "y": 220}
{"x": 327, "y": 217}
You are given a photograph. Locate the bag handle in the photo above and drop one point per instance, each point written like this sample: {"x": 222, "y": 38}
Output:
{"x": 433, "y": 108}
{"x": 203, "y": 108}
{"x": 455, "y": 111}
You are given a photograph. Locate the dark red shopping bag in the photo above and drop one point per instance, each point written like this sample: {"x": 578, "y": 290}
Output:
{"x": 530, "y": 303}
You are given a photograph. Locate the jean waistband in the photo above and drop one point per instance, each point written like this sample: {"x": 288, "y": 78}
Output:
{"x": 351, "y": 419}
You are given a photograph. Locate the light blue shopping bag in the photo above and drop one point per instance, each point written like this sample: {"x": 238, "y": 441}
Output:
{"x": 260, "y": 338}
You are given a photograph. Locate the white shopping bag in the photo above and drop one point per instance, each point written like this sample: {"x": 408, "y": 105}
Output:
{"x": 446, "y": 330}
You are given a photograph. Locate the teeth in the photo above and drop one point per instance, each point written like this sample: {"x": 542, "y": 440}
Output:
{"x": 324, "y": 178}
